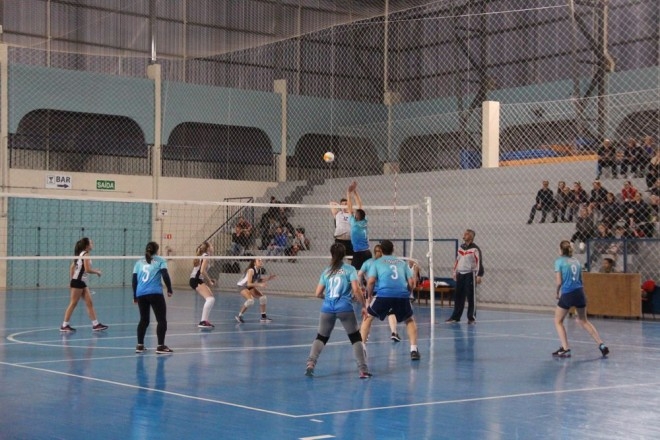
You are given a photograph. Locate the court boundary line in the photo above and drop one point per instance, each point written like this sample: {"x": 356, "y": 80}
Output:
{"x": 154, "y": 390}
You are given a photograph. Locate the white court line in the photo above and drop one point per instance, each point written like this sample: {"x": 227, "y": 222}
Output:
{"x": 153, "y": 390}
{"x": 479, "y": 399}
{"x": 317, "y": 437}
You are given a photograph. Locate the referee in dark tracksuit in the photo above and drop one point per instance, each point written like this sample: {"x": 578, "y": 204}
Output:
{"x": 468, "y": 270}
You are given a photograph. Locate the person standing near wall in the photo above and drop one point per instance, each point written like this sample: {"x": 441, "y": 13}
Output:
{"x": 468, "y": 270}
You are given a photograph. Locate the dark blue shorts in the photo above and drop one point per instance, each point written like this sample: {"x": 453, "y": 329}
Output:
{"x": 400, "y": 307}
{"x": 576, "y": 299}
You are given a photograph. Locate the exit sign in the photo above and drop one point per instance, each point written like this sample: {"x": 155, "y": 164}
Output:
{"x": 105, "y": 185}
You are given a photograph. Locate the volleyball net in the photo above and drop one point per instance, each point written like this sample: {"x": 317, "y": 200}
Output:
{"x": 40, "y": 233}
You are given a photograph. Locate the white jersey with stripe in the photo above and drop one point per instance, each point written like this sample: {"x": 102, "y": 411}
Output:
{"x": 255, "y": 278}
{"x": 79, "y": 268}
{"x": 197, "y": 270}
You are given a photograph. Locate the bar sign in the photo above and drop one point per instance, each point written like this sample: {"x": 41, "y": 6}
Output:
{"x": 105, "y": 185}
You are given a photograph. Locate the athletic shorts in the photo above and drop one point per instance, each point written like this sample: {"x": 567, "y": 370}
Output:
{"x": 359, "y": 257}
{"x": 78, "y": 284}
{"x": 194, "y": 282}
{"x": 576, "y": 299}
{"x": 399, "y": 307}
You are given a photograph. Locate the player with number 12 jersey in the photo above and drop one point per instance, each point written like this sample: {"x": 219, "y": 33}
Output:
{"x": 338, "y": 293}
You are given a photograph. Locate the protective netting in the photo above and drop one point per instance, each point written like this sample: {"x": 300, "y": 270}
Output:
{"x": 256, "y": 92}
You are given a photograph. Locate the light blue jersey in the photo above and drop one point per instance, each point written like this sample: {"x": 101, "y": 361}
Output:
{"x": 571, "y": 273}
{"x": 392, "y": 274}
{"x": 148, "y": 276}
{"x": 338, "y": 291}
{"x": 359, "y": 234}
{"x": 365, "y": 270}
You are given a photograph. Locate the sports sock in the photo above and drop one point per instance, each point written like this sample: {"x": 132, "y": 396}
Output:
{"x": 413, "y": 348}
{"x": 95, "y": 322}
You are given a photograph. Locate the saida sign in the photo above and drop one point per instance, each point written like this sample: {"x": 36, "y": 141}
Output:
{"x": 105, "y": 185}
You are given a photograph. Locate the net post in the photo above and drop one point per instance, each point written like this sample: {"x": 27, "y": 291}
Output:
{"x": 429, "y": 256}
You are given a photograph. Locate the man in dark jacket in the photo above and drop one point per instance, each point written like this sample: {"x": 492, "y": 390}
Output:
{"x": 545, "y": 202}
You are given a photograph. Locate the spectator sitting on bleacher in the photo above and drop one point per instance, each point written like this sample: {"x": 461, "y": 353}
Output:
{"x": 654, "y": 197}
{"x": 299, "y": 243}
{"x": 639, "y": 214}
{"x": 607, "y": 158}
{"x": 579, "y": 198}
{"x": 598, "y": 196}
{"x": 584, "y": 226}
{"x": 628, "y": 191}
{"x": 545, "y": 202}
{"x": 561, "y": 202}
{"x": 278, "y": 243}
{"x": 635, "y": 158}
{"x": 611, "y": 211}
{"x": 607, "y": 265}
{"x": 653, "y": 173}
{"x": 241, "y": 237}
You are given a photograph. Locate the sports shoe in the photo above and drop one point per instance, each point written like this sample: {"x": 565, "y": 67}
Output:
{"x": 265, "y": 319}
{"x": 451, "y": 321}
{"x": 395, "y": 337}
{"x": 472, "y": 321}
{"x": 164, "y": 349}
{"x": 562, "y": 353}
{"x": 414, "y": 355}
{"x": 309, "y": 372}
{"x": 67, "y": 329}
{"x": 239, "y": 319}
{"x": 99, "y": 327}
{"x": 140, "y": 348}
{"x": 365, "y": 375}
{"x": 205, "y": 324}
{"x": 604, "y": 350}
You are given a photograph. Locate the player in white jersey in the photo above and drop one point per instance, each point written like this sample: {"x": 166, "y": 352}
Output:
{"x": 78, "y": 273}
{"x": 201, "y": 282}
{"x": 342, "y": 226}
{"x": 249, "y": 287}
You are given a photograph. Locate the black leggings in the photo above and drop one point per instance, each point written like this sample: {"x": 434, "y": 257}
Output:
{"x": 156, "y": 302}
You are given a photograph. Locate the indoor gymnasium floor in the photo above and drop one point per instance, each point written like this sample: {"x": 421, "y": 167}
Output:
{"x": 494, "y": 380}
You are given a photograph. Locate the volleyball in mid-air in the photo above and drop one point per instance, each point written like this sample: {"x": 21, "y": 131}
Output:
{"x": 329, "y": 156}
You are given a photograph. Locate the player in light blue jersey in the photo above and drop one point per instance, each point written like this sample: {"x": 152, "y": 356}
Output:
{"x": 337, "y": 286}
{"x": 570, "y": 293}
{"x": 148, "y": 276}
{"x": 359, "y": 227}
{"x": 362, "y": 281}
{"x": 394, "y": 280}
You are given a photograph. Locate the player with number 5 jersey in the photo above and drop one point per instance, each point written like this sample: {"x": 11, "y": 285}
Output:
{"x": 148, "y": 276}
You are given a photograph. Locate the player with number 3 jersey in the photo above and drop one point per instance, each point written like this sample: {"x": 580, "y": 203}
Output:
{"x": 393, "y": 279}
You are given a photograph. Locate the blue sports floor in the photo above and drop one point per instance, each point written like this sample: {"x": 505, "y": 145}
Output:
{"x": 495, "y": 380}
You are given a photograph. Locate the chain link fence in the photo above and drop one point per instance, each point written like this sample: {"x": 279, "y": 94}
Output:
{"x": 395, "y": 95}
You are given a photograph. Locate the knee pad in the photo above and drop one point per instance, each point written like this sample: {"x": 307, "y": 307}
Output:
{"x": 355, "y": 337}
{"x": 249, "y": 302}
{"x": 210, "y": 301}
{"x": 263, "y": 300}
{"x": 323, "y": 339}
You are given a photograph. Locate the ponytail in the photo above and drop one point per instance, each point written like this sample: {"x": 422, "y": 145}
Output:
{"x": 338, "y": 252}
{"x": 150, "y": 251}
